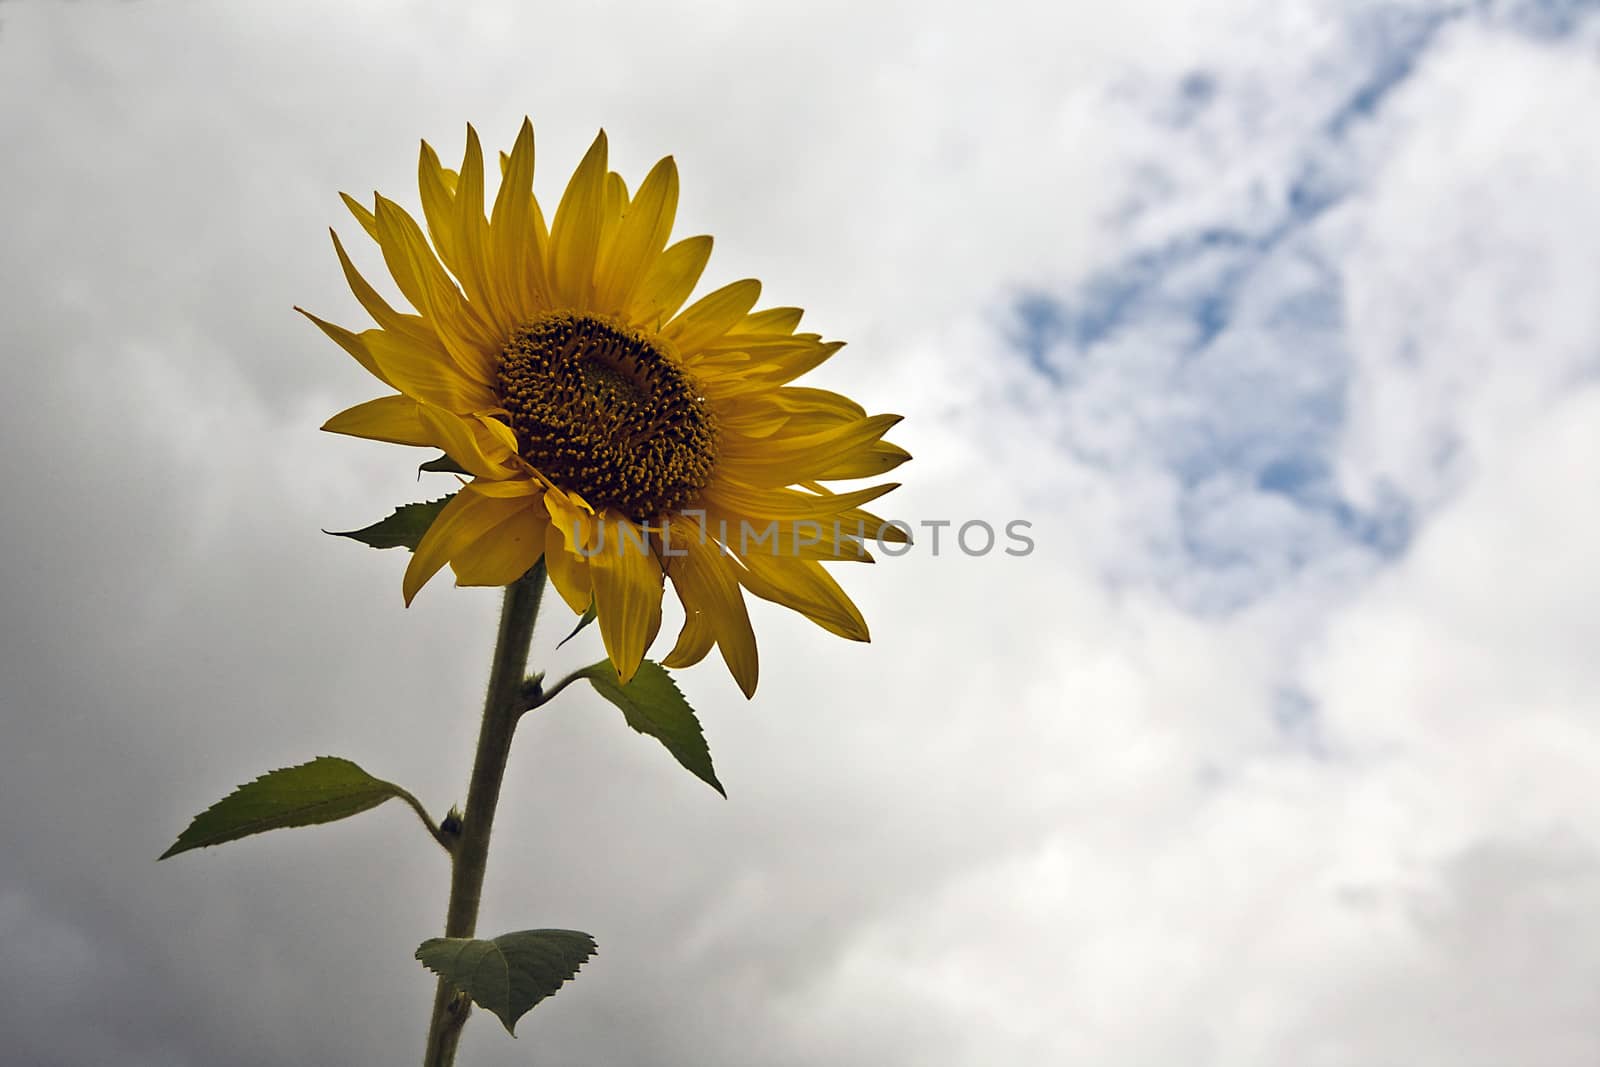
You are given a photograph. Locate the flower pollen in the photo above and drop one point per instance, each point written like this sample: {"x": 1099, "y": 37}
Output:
{"x": 606, "y": 411}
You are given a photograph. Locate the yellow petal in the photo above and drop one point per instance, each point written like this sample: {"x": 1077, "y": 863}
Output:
{"x": 640, "y": 237}
{"x": 354, "y": 344}
{"x": 388, "y": 418}
{"x": 459, "y": 525}
{"x": 417, "y": 271}
{"x": 568, "y": 572}
{"x": 497, "y": 431}
{"x": 712, "y": 315}
{"x": 508, "y": 488}
{"x": 751, "y": 420}
{"x": 611, "y": 217}
{"x": 737, "y": 499}
{"x": 474, "y": 267}
{"x": 799, "y": 398}
{"x": 575, "y": 233}
{"x": 627, "y": 593}
{"x": 772, "y": 321}
{"x": 411, "y": 277}
{"x": 830, "y": 540}
{"x": 463, "y": 440}
{"x": 805, "y": 587}
{"x": 426, "y": 375}
{"x": 705, "y": 580}
{"x": 505, "y": 553}
{"x": 694, "y": 640}
{"x": 516, "y": 229}
{"x": 368, "y": 220}
{"x": 877, "y": 529}
{"x": 670, "y": 281}
{"x": 782, "y": 459}
{"x": 385, "y": 316}
{"x": 872, "y": 462}
{"x": 788, "y": 366}
{"x": 438, "y": 204}
{"x": 576, "y": 522}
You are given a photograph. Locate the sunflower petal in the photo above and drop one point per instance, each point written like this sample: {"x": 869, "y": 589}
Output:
{"x": 780, "y": 321}
{"x": 782, "y": 460}
{"x": 694, "y": 640}
{"x": 388, "y": 418}
{"x": 575, "y": 233}
{"x": 516, "y": 230}
{"x": 496, "y": 430}
{"x": 438, "y": 204}
{"x": 569, "y": 572}
{"x": 426, "y": 375}
{"x": 875, "y": 528}
{"x": 468, "y": 517}
{"x": 799, "y": 398}
{"x": 739, "y": 499}
{"x": 368, "y": 220}
{"x": 474, "y": 267}
{"x": 576, "y": 522}
{"x": 705, "y": 580}
{"x": 505, "y": 553}
{"x": 464, "y": 440}
{"x": 879, "y": 459}
{"x": 611, "y": 217}
{"x": 627, "y": 594}
{"x": 712, "y": 315}
{"x": 432, "y": 292}
{"x": 508, "y": 488}
{"x": 355, "y": 344}
{"x": 640, "y": 238}
{"x": 834, "y": 540}
{"x": 670, "y": 281}
{"x": 382, "y": 313}
{"x": 797, "y": 359}
{"x": 805, "y": 587}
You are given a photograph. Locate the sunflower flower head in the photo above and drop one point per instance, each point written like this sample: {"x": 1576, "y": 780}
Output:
{"x": 627, "y": 439}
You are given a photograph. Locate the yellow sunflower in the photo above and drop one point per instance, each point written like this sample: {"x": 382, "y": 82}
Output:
{"x": 624, "y": 440}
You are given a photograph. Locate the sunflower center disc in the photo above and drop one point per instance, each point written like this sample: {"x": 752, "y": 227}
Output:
{"x": 601, "y": 410}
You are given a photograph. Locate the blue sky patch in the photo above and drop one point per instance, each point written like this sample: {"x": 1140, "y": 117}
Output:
{"x": 1227, "y": 331}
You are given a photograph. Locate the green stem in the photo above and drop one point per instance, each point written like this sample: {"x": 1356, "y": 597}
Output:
{"x": 545, "y": 696}
{"x": 470, "y": 856}
{"x": 447, "y": 840}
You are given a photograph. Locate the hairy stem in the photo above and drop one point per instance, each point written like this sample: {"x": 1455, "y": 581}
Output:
{"x": 545, "y": 696}
{"x": 447, "y": 840}
{"x": 470, "y": 854}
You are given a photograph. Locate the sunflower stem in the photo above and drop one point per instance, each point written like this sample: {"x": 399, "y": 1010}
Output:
{"x": 544, "y": 696}
{"x": 470, "y": 856}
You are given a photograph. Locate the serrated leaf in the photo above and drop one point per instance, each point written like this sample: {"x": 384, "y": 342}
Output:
{"x": 652, "y": 705}
{"x": 403, "y": 529}
{"x": 443, "y": 464}
{"x": 588, "y": 617}
{"x": 511, "y": 973}
{"x": 324, "y": 790}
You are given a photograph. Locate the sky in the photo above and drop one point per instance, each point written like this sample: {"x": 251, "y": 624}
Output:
{"x": 1275, "y": 319}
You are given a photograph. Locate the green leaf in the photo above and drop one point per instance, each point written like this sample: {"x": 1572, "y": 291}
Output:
{"x": 443, "y": 464}
{"x": 512, "y": 973}
{"x": 652, "y": 705}
{"x": 588, "y": 617}
{"x": 403, "y": 529}
{"x": 326, "y": 789}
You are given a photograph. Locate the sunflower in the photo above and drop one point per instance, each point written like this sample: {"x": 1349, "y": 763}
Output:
{"x": 626, "y": 441}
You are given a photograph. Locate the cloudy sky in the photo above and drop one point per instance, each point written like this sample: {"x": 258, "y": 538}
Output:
{"x": 1278, "y": 319}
